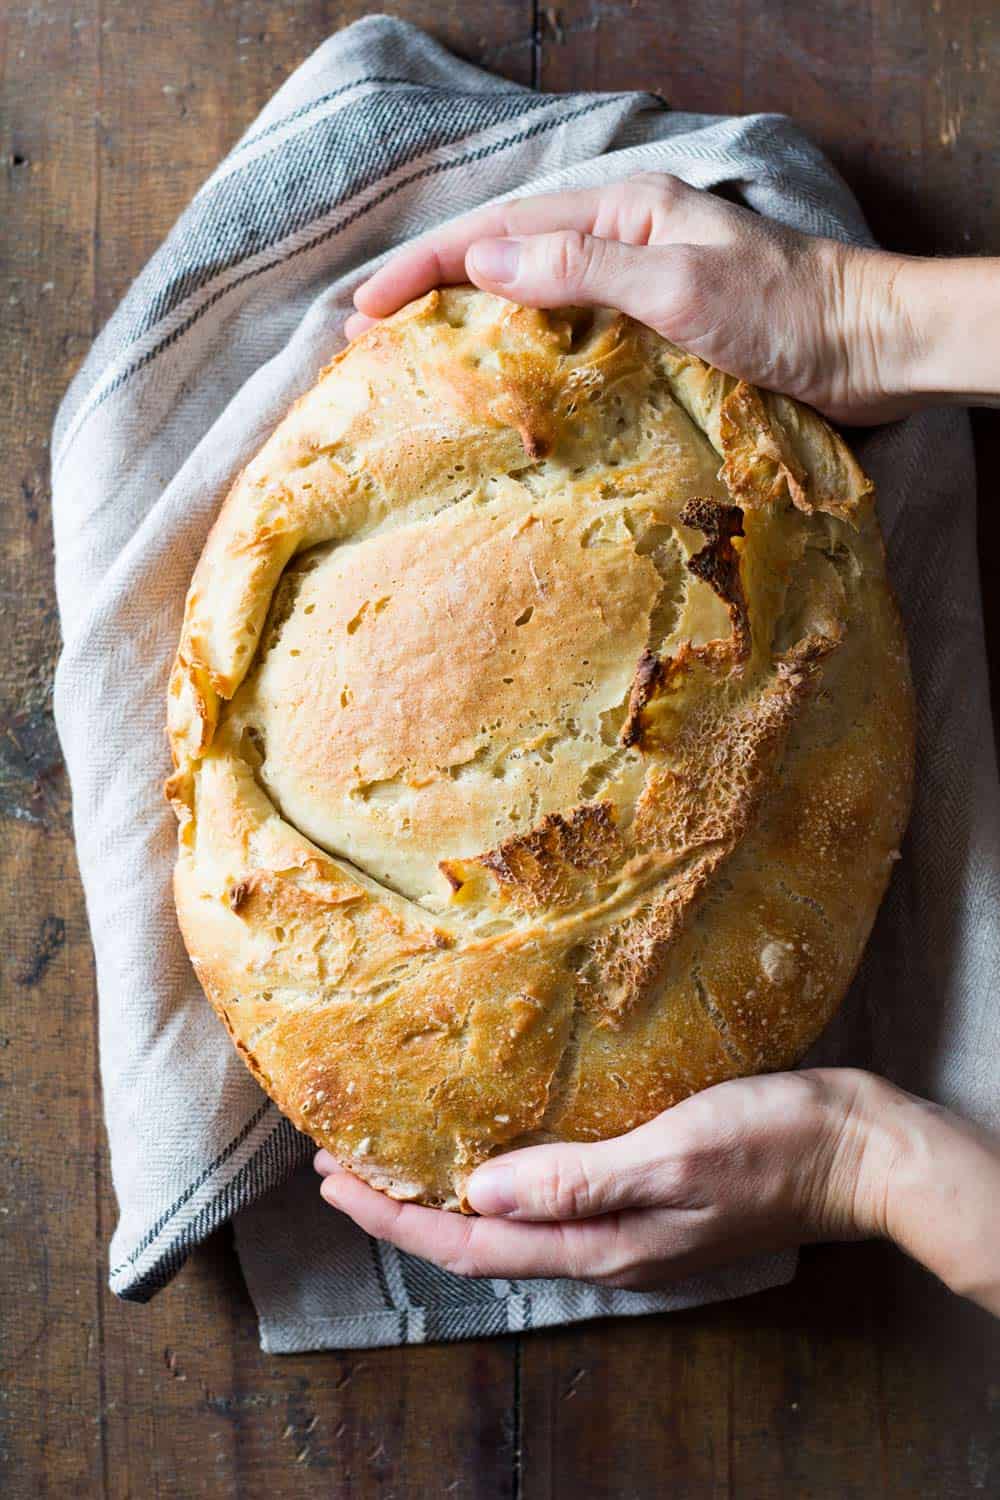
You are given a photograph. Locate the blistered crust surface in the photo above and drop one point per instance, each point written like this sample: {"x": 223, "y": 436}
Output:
{"x": 543, "y": 738}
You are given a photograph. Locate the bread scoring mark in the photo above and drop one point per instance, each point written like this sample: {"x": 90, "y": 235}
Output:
{"x": 660, "y": 544}
{"x": 718, "y": 1020}
{"x": 619, "y": 969}
{"x": 544, "y": 867}
{"x": 565, "y": 1079}
{"x": 716, "y": 564}
{"x": 600, "y": 773}
{"x": 717, "y": 769}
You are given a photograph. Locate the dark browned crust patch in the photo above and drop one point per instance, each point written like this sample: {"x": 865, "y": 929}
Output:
{"x": 624, "y": 964}
{"x": 648, "y": 678}
{"x": 544, "y": 867}
{"x": 721, "y": 765}
{"x": 718, "y": 565}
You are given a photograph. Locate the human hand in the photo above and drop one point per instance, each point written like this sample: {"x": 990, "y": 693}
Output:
{"x": 751, "y": 1165}
{"x": 832, "y": 324}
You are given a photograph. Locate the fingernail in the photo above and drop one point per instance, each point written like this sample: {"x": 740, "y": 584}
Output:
{"x": 490, "y": 1190}
{"x": 494, "y": 260}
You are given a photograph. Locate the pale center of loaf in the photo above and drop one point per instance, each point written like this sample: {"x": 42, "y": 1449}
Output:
{"x": 429, "y": 692}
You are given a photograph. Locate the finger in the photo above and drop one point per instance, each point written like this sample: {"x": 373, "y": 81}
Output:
{"x": 357, "y": 324}
{"x": 574, "y": 1180}
{"x": 479, "y": 1247}
{"x": 654, "y": 284}
{"x": 636, "y": 211}
{"x": 438, "y": 258}
{"x": 324, "y": 1163}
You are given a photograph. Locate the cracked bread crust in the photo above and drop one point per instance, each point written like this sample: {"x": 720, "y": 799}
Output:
{"x": 543, "y": 738}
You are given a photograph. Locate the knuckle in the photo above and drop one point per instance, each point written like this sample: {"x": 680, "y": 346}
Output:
{"x": 622, "y": 1261}
{"x": 461, "y": 1266}
{"x": 630, "y": 1280}
{"x": 570, "y": 255}
{"x": 565, "y": 1190}
{"x": 464, "y": 1267}
{"x": 685, "y": 288}
{"x": 626, "y": 189}
{"x": 687, "y": 264}
{"x": 803, "y": 1098}
{"x": 684, "y": 1173}
{"x": 462, "y": 1261}
{"x": 576, "y": 1256}
{"x": 663, "y": 185}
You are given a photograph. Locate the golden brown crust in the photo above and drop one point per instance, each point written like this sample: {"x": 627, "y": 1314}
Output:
{"x": 543, "y": 738}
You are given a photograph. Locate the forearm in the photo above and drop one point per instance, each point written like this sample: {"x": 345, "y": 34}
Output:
{"x": 946, "y": 339}
{"x": 930, "y": 1181}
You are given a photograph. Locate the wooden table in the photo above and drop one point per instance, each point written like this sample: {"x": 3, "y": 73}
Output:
{"x": 862, "y": 1378}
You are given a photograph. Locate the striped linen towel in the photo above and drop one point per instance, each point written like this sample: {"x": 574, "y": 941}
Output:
{"x": 379, "y": 135}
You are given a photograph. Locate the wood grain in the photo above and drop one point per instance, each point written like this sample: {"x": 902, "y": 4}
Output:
{"x": 861, "y": 1378}
{"x": 194, "y": 1409}
{"x": 52, "y": 1272}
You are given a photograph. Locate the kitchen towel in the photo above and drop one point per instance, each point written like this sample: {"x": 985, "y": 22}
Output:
{"x": 378, "y": 136}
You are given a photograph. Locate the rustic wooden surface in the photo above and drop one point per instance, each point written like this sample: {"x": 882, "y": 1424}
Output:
{"x": 862, "y": 1378}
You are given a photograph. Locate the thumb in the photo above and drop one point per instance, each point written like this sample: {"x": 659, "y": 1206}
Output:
{"x": 649, "y": 282}
{"x": 570, "y": 1180}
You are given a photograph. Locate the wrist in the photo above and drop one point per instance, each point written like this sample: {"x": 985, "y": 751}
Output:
{"x": 859, "y": 1137}
{"x": 942, "y": 1198}
{"x": 948, "y": 314}
{"x": 882, "y": 1136}
{"x": 877, "y": 346}
{"x": 848, "y": 1142}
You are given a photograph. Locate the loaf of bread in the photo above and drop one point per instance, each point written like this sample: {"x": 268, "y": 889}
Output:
{"x": 543, "y": 736}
